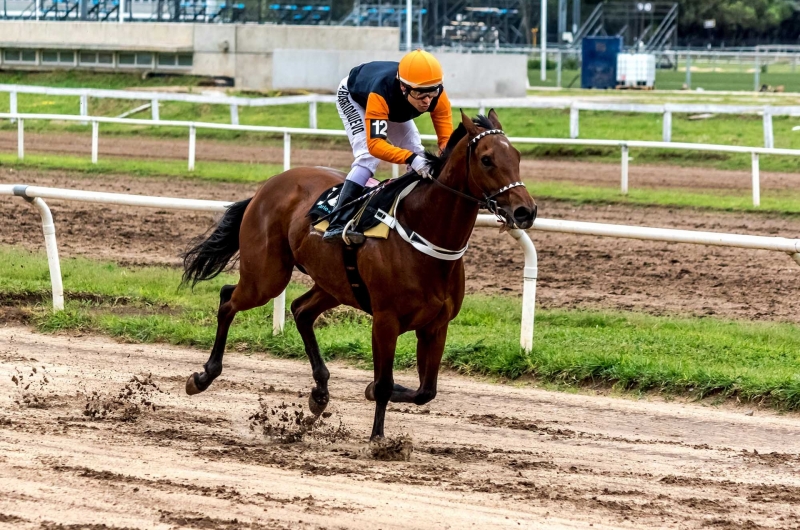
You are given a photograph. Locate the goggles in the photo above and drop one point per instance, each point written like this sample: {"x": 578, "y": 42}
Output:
{"x": 424, "y": 93}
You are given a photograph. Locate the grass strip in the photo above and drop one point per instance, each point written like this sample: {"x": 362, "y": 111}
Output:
{"x": 632, "y": 352}
{"x": 785, "y": 203}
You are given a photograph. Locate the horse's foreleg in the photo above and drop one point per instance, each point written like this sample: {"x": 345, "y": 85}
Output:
{"x": 306, "y": 309}
{"x": 199, "y": 382}
{"x": 430, "y": 347}
{"x": 385, "y": 330}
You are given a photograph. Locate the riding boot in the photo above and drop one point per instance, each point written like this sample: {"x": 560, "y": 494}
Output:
{"x": 336, "y": 225}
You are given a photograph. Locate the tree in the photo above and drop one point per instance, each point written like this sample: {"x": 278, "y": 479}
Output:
{"x": 737, "y": 15}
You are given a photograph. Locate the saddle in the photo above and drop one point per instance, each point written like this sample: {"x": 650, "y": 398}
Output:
{"x": 366, "y": 212}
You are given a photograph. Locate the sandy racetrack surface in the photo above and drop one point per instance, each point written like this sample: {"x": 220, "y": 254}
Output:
{"x": 104, "y": 437}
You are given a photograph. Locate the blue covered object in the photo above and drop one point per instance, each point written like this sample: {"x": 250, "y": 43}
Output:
{"x": 599, "y": 68}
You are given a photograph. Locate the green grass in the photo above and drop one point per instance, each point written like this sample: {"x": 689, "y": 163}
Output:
{"x": 785, "y": 203}
{"x": 728, "y": 80}
{"x": 633, "y": 352}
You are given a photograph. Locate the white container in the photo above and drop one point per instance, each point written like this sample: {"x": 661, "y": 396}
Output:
{"x": 636, "y": 70}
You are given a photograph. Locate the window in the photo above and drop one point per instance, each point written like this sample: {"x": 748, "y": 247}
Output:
{"x": 56, "y": 56}
{"x": 105, "y": 58}
{"x": 144, "y": 59}
{"x": 127, "y": 59}
{"x": 183, "y": 60}
{"x": 88, "y": 58}
{"x": 19, "y": 56}
{"x": 167, "y": 59}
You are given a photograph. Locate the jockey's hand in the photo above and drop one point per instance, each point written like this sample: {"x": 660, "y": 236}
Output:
{"x": 421, "y": 165}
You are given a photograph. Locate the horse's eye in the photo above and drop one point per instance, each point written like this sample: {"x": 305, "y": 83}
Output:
{"x": 486, "y": 161}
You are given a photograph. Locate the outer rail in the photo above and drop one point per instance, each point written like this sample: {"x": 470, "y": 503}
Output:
{"x": 37, "y": 194}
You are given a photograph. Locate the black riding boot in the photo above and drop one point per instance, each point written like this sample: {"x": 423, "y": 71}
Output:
{"x": 350, "y": 191}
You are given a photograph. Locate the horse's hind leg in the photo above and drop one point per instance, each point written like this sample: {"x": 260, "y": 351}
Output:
{"x": 199, "y": 382}
{"x": 253, "y": 290}
{"x": 306, "y": 309}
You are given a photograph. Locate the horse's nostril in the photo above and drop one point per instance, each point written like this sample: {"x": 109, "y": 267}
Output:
{"x": 523, "y": 213}
{"x": 535, "y": 211}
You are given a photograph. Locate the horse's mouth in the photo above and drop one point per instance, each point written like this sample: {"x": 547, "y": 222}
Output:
{"x": 522, "y": 218}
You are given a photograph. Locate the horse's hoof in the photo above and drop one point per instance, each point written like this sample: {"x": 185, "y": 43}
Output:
{"x": 369, "y": 393}
{"x": 317, "y": 407}
{"x": 191, "y": 385}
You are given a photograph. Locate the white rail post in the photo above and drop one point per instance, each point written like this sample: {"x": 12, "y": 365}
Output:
{"x": 574, "y": 123}
{"x": 279, "y": 302}
{"x": 95, "y": 140}
{"x": 481, "y": 108}
{"x": 756, "y": 182}
{"x": 155, "y": 114}
{"x": 558, "y": 70}
{"x": 234, "y": 114}
{"x": 312, "y": 115}
{"x": 192, "y": 146}
{"x": 530, "y": 275}
{"x": 543, "y": 36}
{"x": 51, "y": 245}
{"x": 769, "y": 138}
{"x": 279, "y": 313}
{"x": 12, "y": 103}
{"x": 624, "y": 180}
{"x": 21, "y": 139}
{"x": 395, "y": 170}
{"x": 84, "y": 107}
{"x": 758, "y": 74}
{"x": 666, "y": 129}
{"x": 287, "y": 151}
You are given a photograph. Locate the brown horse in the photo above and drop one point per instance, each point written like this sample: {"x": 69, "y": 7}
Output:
{"x": 408, "y": 290}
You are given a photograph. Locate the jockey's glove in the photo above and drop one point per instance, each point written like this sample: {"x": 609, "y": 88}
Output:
{"x": 421, "y": 165}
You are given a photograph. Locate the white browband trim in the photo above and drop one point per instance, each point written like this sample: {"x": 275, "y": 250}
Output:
{"x": 486, "y": 133}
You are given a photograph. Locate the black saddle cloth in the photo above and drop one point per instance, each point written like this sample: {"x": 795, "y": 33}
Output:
{"x": 366, "y": 206}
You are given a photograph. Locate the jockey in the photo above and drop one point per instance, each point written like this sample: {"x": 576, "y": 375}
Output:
{"x": 378, "y": 102}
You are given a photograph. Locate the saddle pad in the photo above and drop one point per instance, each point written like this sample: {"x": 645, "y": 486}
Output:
{"x": 363, "y": 211}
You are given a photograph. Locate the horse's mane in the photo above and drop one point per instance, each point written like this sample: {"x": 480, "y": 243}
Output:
{"x": 438, "y": 162}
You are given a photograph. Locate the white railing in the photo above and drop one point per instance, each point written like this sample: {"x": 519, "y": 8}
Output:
{"x": 575, "y": 107}
{"x": 36, "y": 196}
{"x": 623, "y": 145}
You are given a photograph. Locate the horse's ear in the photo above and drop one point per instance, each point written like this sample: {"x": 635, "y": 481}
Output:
{"x": 468, "y": 124}
{"x": 493, "y": 118}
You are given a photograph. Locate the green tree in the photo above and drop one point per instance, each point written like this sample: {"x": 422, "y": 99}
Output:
{"x": 737, "y": 15}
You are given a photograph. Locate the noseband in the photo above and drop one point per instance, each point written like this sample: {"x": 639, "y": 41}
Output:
{"x": 488, "y": 203}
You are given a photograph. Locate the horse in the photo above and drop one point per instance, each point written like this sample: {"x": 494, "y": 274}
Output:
{"x": 408, "y": 290}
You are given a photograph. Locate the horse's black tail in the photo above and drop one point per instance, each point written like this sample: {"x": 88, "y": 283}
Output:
{"x": 210, "y": 256}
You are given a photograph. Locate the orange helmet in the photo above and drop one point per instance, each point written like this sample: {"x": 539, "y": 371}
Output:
{"x": 420, "y": 69}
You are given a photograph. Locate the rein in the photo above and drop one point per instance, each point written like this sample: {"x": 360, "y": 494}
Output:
{"x": 488, "y": 202}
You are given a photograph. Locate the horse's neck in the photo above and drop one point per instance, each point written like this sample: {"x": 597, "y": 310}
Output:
{"x": 440, "y": 215}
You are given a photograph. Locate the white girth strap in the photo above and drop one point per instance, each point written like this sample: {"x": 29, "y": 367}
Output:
{"x": 419, "y": 242}
{"x": 414, "y": 239}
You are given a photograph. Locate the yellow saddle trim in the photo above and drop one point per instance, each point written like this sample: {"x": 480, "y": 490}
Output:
{"x": 379, "y": 231}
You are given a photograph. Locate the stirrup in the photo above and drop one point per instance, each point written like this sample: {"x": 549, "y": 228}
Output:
{"x": 351, "y": 237}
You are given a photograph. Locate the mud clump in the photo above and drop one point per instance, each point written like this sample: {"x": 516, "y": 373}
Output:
{"x": 132, "y": 400}
{"x": 391, "y": 449}
{"x": 289, "y": 423}
{"x": 31, "y": 389}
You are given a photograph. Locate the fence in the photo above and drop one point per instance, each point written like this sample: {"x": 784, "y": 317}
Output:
{"x": 36, "y": 196}
{"x": 575, "y": 107}
{"x": 287, "y": 132}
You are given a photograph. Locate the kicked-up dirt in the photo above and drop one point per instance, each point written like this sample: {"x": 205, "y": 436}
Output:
{"x": 111, "y": 441}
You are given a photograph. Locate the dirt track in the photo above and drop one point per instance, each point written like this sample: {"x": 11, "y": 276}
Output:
{"x": 103, "y": 445}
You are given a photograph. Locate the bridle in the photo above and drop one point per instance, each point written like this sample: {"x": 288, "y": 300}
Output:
{"x": 488, "y": 203}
